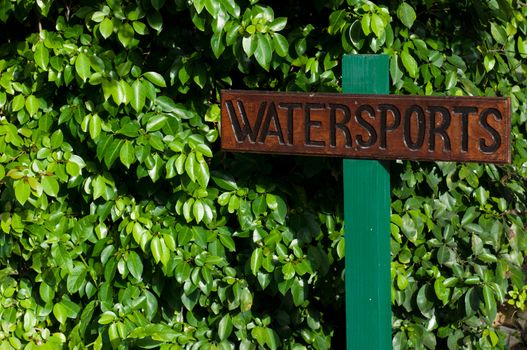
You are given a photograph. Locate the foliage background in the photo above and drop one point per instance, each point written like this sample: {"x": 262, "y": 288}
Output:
{"x": 123, "y": 224}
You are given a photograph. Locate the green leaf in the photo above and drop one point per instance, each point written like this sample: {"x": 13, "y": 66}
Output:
{"x": 182, "y": 272}
{"x": 264, "y": 279}
{"x": 198, "y": 211}
{"x": 354, "y": 35}
{"x": 140, "y": 28}
{"x": 60, "y": 313}
{"x": 50, "y": 185}
{"x": 227, "y": 242}
{"x": 425, "y": 301}
{"x": 481, "y": 195}
{"x": 280, "y": 212}
{"x": 18, "y": 103}
{"x": 498, "y": 33}
{"x": 406, "y": 14}
{"x": 341, "y": 248}
{"x": 138, "y": 96}
{"x": 263, "y": 52}
{"x": 288, "y": 270}
{"x": 154, "y": 169}
{"x": 212, "y": 6}
{"x": 259, "y": 205}
{"x": 180, "y": 163}
{"x": 57, "y": 138}
{"x": 301, "y": 46}
{"x": 127, "y": 154}
{"x": 98, "y": 16}
{"x": 82, "y": 66}
{"x": 216, "y": 44}
{"x": 280, "y": 45}
{"x": 125, "y": 34}
{"x": 260, "y": 335}
{"x": 246, "y": 299}
{"x": 445, "y": 255}
{"x": 489, "y": 303}
{"x": 156, "y": 123}
{"x": 402, "y": 281}
{"x": 457, "y": 61}
{"x": 65, "y": 309}
{"x": 201, "y": 172}
{"x": 76, "y": 279}
{"x": 157, "y": 4}
{"x": 224, "y": 181}
{"x": 190, "y": 166}
{"x": 278, "y": 24}
{"x": 155, "y": 78}
{"x": 22, "y": 191}
{"x": 489, "y": 61}
{"x": 249, "y": 45}
{"x": 225, "y": 327}
{"x": 256, "y": 260}
{"x": 271, "y": 201}
{"x": 32, "y": 105}
{"x": 3, "y": 99}
{"x": 113, "y": 334}
{"x": 400, "y": 341}
{"x": 409, "y": 228}
{"x": 74, "y": 165}
{"x": 337, "y": 20}
{"x": 106, "y": 28}
{"x": 99, "y": 187}
{"x": 166, "y": 104}
{"x": 522, "y": 47}
{"x": 107, "y": 317}
{"x": 46, "y": 292}
{"x": 442, "y": 292}
{"x": 451, "y": 80}
{"x": 112, "y": 152}
{"x": 183, "y": 75}
{"x": 135, "y": 265}
{"x": 165, "y": 251}
{"x": 265, "y": 336}
{"x": 232, "y": 8}
{"x": 204, "y": 149}
{"x": 200, "y": 78}
{"x": 94, "y": 126}
{"x": 377, "y": 25}
{"x": 41, "y": 55}
{"x": 409, "y": 63}
{"x": 429, "y": 340}
{"x": 155, "y": 20}
{"x": 68, "y": 74}
{"x": 469, "y": 216}
{"x": 156, "y": 248}
{"x": 125, "y": 91}
{"x": 297, "y": 291}
{"x": 365, "y": 24}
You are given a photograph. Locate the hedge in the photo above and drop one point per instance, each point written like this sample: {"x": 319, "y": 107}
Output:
{"x": 123, "y": 225}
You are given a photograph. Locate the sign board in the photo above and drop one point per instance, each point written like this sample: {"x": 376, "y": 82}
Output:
{"x": 464, "y": 129}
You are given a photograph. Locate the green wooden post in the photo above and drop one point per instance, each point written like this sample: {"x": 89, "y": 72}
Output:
{"x": 367, "y": 223}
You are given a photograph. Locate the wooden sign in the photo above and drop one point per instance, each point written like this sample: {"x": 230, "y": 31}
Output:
{"x": 464, "y": 129}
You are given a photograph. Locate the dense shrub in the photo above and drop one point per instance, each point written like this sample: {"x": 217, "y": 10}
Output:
{"x": 124, "y": 225}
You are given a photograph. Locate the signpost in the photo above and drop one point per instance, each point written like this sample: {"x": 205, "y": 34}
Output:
{"x": 372, "y": 126}
{"x": 367, "y": 224}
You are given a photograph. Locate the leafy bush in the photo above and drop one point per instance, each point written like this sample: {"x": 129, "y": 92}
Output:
{"x": 123, "y": 224}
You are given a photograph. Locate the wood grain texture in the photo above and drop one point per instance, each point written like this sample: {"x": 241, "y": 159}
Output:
{"x": 463, "y": 129}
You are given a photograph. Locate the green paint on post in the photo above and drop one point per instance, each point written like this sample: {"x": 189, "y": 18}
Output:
{"x": 367, "y": 223}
